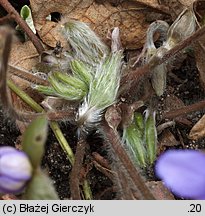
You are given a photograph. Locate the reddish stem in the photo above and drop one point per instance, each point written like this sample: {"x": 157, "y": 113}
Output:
{"x": 184, "y": 110}
{"x": 14, "y": 14}
{"x": 75, "y": 172}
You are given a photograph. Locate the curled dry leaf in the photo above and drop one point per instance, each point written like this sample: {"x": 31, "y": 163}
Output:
{"x": 198, "y": 130}
{"x": 128, "y": 16}
{"x": 113, "y": 117}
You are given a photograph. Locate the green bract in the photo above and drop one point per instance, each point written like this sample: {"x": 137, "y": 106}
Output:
{"x": 141, "y": 138}
{"x": 133, "y": 137}
{"x": 82, "y": 71}
{"x": 34, "y": 138}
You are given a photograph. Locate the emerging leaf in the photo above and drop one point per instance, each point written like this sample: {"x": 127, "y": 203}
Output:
{"x": 133, "y": 137}
{"x": 27, "y": 16}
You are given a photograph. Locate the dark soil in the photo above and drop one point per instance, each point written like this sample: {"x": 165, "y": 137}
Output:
{"x": 8, "y": 130}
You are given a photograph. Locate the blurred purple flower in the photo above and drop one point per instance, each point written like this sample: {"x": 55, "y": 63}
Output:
{"x": 183, "y": 172}
{"x": 15, "y": 170}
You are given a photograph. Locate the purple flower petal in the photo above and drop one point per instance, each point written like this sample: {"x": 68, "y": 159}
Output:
{"x": 8, "y": 185}
{"x": 15, "y": 165}
{"x": 6, "y": 149}
{"x": 183, "y": 171}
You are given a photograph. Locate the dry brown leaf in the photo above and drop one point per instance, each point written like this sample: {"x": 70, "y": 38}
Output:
{"x": 24, "y": 55}
{"x": 174, "y": 6}
{"x": 166, "y": 139}
{"x": 172, "y": 102}
{"x": 101, "y": 16}
{"x": 198, "y": 130}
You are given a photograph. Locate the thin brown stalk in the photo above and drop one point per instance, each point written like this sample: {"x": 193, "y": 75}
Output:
{"x": 24, "y": 74}
{"x": 184, "y": 110}
{"x": 75, "y": 173}
{"x": 14, "y": 14}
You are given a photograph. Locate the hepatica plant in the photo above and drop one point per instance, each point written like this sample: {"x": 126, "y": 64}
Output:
{"x": 183, "y": 172}
{"x": 93, "y": 76}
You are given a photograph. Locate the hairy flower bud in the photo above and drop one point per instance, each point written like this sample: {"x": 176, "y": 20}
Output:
{"x": 15, "y": 170}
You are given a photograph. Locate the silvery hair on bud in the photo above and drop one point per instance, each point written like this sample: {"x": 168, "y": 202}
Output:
{"x": 87, "y": 46}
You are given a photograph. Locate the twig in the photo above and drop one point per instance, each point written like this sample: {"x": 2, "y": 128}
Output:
{"x": 107, "y": 172}
{"x": 59, "y": 115}
{"x": 184, "y": 110}
{"x": 24, "y": 74}
{"x": 13, "y": 13}
{"x": 62, "y": 141}
{"x": 115, "y": 142}
{"x": 75, "y": 172}
{"x": 101, "y": 160}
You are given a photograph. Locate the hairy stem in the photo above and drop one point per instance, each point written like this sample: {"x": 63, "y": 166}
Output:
{"x": 139, "y": 183}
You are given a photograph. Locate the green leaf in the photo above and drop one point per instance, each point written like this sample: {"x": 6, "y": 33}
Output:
{"x": 139, "y": 121}
{"x": 71, "y": 81}
{"x": 65, "y": 91}
{"x": 150, "y": 136}
{"x": 40, "y": 187}
{"x": 34, "y": 140}
{"x": 133, "y": 137}
{"x": 82, "y": 71}
{"x": 103, "y": 89}
{"x": 47, "y": 90}
{"x": 25, "y": 13}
